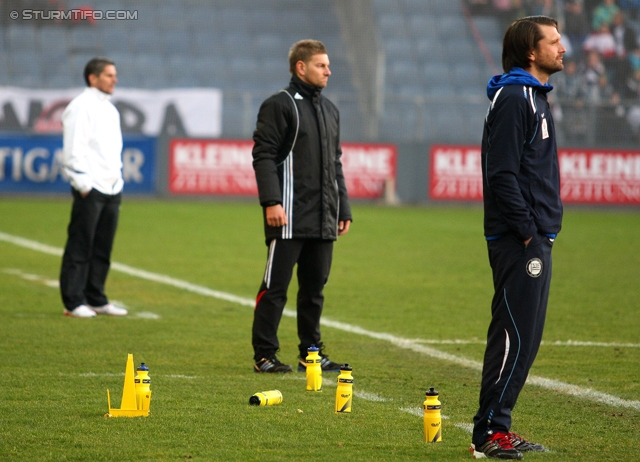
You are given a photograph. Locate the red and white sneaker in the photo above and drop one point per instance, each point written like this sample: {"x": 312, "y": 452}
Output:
{"x": 523, "y": 445}
{"x": 496, "y": 446}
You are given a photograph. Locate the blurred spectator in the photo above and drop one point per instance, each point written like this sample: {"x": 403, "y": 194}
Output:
{"x": 603, "y": 102}
{"x": 604, "y": 13}
{"x": 570, "y": 92}
{"x": 545, "y": 8}
{"x": 602, "y": 42}
{"x": 595, "y": 78}
{"x": 611, "y": 113}
{"x": 631, "y": 7}
{"x": 504, "y": 10}
{"x": 479, "y": 7}
{"x": 632, "y": 87}
{"x": 633, "y": 114}
{"x": 634, "y": 59}
{"x": 624, "y": 35}
{"x": 576, "y": 24}
{"x": 570, "y": 85}
{"x": 625, "y": 38}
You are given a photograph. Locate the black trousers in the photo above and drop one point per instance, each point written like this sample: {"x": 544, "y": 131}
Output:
{"x": 87, "y": 254}
{"x": 313, "y": 257}
{"x": 521, "y": 279}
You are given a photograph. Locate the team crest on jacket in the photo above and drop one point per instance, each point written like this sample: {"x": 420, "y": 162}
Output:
{"x": 534, "y": 267}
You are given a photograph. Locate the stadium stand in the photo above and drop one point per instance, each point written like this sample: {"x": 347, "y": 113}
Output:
{"x": 436, "y": 58}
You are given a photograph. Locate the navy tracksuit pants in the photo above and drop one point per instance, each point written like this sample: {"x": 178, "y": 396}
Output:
{"x": 313, "y": 257}
{"x": 521, "y": 279}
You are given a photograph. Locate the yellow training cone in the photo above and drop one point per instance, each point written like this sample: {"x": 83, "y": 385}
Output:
{"x": 128, "y": 406}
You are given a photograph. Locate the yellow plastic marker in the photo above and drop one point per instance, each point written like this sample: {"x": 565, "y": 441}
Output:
{"x": 128, "y": 406}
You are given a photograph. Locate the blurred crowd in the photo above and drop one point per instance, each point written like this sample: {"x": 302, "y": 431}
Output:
{"x": 597, "y": 97}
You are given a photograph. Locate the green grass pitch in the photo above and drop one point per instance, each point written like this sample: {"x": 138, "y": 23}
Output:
{"x": 407, "y": 305}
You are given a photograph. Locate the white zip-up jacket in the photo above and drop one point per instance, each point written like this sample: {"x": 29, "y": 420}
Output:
{"x": 92, "y": 143}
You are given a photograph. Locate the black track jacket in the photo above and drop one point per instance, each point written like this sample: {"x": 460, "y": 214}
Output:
{"x": 307, "y": 180}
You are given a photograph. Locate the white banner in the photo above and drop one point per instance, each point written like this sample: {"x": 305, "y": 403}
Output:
{"x": 193, "y": 112}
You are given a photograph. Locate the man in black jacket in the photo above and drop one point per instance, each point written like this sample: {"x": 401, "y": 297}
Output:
{"x": 296, "y": 158}
{"x": 522, "y": 216}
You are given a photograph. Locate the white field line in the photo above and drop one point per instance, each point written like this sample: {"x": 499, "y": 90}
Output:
{"x": 121, "y": 374}
{"x": 407, "y": 344}
{"x": 465, "y": 426}
{"x": 553, "y": 343}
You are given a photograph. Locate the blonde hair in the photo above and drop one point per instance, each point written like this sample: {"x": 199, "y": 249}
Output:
{"x": 303, "y": 51}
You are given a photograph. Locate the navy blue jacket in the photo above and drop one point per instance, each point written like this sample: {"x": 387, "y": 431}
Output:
{"x": 521, "y": 178}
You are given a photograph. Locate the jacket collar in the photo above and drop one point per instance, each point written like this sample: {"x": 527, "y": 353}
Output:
{"x": 304, "y": 88}
{"x": 102, "y": 96}
{"x": 516, "y": 76}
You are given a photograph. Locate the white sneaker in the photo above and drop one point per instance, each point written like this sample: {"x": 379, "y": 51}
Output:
{"x": 82, "y": 311}
{"x": 109, "y": 309}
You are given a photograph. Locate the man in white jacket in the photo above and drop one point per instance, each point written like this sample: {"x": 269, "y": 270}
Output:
{"x": 92, "y": 150}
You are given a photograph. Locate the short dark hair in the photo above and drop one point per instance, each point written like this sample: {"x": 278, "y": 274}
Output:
{"x": 95, "y": 67}
{"x": 521, "y": 39}
{"x": 303, "y": 51}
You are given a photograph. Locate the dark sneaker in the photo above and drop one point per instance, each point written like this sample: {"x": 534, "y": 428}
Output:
{"x": 326, "y": 364}
{"x": 497, "y": 446}
{"x": 271, "y": 365}
{"x": 523, "y": 445}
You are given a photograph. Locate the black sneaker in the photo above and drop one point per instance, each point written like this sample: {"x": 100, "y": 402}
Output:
{"x": 270, "y": 365}
{"x": 497, "y": 446}
{"x": 523, "y": 445}
{"x": 325, "y": 363}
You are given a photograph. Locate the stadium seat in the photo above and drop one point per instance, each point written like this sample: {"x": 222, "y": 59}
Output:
{"x": 238, "y": 44}
{"x": 385, "y": 6}
{"x": 117, "y": 41}
{"x": 170, "y": 16}
{"x": 391, "y": 24}
{"x": 4, "y": 68}
{"x": 21, "y": 37}
{"x": 436, "y": 73}
{"x": 212, "y": 72}
{"x": 423, "y": 26}
{"x": 463, "y": 50}
{"x": 176, "y": 42}
{"x": 440, "y": 89}
{"x": 489, "y": 27}
{"x": 453, "y": 7}
{"x": 26, "y": 65}
{"x": 144, "y": 40}
{"x": 270, "y": 45}
{"x": 398, "y": 119}
{"x": 452, "y": 26}
{"x": 402, "y": 71}
{"x": 398, "y": 48}
{"x": 52, "y": 39}
{"x": 430, "y": 49}
{"x": 416, "y": 7}
{"x": 86, "y": 39}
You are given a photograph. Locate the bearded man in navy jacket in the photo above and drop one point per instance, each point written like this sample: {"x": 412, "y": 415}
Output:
{"x": 522, "y": 217}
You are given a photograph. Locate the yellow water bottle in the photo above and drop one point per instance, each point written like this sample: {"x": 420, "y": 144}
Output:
{"x": 143, "y": 387}
{"x": 314, "y": 369}
{"x": 266, "y": 398}
{"x": 344, "y": 393}
{"x": 432, "y": 417}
